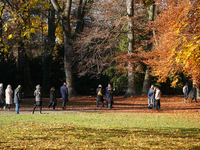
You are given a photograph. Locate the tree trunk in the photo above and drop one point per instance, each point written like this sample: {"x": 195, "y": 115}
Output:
{"x": 49, "y": 47}
{"x": 65, "y": 17}
{"x": 146, "y": 83}
{"x": 131, "y": 91}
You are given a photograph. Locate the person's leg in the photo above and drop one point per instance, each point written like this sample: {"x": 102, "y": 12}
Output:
{"x": 34, "y": 108}
{"x": 102, "y": 105}
{"x": 151, "y": 106}
{"x": 159, "y": 103}
{"x": 17, "y": 108}
{"x": 192, "y": 99}
{"x": 63, "y": 105}
{"x": 109, "y": 105}
{"x": 149, "y": 101}
{"x": 97, "y": 104}
{"x": 50, "y": 104}
{"x": 40, "y": 109}
{"x": 156, "y": 104}
{"x": 185, "y": 98}
{"x": 195, "y": 99}
{"x": 54, "y": 105}
{"x": 8, "y": 106}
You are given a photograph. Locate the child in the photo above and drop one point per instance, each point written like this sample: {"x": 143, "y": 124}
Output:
{"x": 38, "y": 98}
{"x": 53, "y": 100}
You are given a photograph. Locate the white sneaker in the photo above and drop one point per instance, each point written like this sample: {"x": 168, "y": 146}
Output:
{"x": 32, "y": 112}
{"x": 40, "y": 112}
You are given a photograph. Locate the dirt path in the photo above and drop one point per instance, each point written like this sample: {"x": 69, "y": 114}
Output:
{"x": 87, "y": 104}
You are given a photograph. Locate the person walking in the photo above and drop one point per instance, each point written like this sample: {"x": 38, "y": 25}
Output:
{"x": 53, "y": 100}
{"x": 17, "y": 98}
{"x": 194, "y": 94}
{"x": 185, "y": 92}
{"x": 9, "y": 95}
{"x": 99, "y": 96}
{"x": 1, "y": 95}
{"x": 157, "y": 99}
{"x": 38, "y": 99}
{"x": 106, "y": 95}
{"x": 110, "y": 97}
{"x": 64, "y": 93}
{"x": 150, "y": 93}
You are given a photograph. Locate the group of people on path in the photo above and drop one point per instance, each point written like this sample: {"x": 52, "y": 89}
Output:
{"x": 108, "y": 96}
{"x": 154, "y": 95}
{"x": 8, "y": 97}
{"x": 38, "y": 97}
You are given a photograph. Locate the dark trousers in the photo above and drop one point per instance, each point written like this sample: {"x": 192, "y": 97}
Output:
{"x": 194, "y": 97}
{"x": 35, "y": 107}
{"x": 157, "y": 104}
{"x": 110, "y": 103}
{"x": 8, "y": 106}
{"x": 63, "y": 105}
{"x": 53, "y": 105}
{"x": 1, "y": 105}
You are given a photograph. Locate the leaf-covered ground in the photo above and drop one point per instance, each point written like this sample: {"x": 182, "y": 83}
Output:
{"x": 139, "y": 104}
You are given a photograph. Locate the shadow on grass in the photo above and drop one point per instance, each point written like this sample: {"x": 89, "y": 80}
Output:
{"x": 139, "y": 138}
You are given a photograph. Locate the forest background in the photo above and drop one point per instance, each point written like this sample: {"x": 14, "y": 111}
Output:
{"x": 128, "y": 43}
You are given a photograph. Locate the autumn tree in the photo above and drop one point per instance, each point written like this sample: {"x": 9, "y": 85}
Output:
{"x": 178, "y": 41}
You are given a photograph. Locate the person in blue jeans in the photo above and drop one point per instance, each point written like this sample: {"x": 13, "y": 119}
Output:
{"x": 150, "y": 93}
{"x": 17, "y": 98}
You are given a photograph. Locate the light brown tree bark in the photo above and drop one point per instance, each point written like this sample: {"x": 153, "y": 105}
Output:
{"x": 131, "y": 91}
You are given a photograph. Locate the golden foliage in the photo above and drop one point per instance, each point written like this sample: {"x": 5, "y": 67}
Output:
{"x": 178, "y": 46}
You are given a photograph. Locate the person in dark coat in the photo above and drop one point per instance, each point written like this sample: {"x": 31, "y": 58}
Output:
{"x": 38, "y": 99}
{"x": 17, "y": 98}
{"x": 2, "y": 101}
{"x": 110, "y": 97}
{"x": 99, "y": 95}
{"x": 64, "y": 93}
{"x": 106, "y": 95}
{"x": 53, "y": 100}
{"x": 194, "y": 94}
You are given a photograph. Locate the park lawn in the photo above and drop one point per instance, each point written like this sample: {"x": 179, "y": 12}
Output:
{"x": 100, "y": 131}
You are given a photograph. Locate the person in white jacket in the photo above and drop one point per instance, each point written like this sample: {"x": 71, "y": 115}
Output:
{"x": 157, "y": 98}
{"x": 9, "y": 95}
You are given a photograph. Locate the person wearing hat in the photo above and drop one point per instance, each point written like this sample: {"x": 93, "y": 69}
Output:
{"x": 17, "y": 98}
{"x": 64, "y": 93}
{"x": 38, "y": 99}
{"x": 99, "y": 95}
{"x": 1, "y": 95}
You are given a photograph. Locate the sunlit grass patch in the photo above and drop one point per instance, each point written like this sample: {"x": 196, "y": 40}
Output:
{"x": 100, "y": 131}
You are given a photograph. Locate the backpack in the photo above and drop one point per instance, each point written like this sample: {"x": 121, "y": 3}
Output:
{"x": 99, "y": 93}
{"x": 184, "y": 89}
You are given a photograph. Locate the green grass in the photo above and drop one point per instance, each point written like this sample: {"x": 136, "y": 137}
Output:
{"x": 100, "y": 131}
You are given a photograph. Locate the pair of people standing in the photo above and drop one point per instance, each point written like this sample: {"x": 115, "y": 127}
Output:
{"x": 193, "y": 93}
{"x": 154, "y": 95}
{"x": 9, "y": 95}
{"x": 108, "y": 96}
